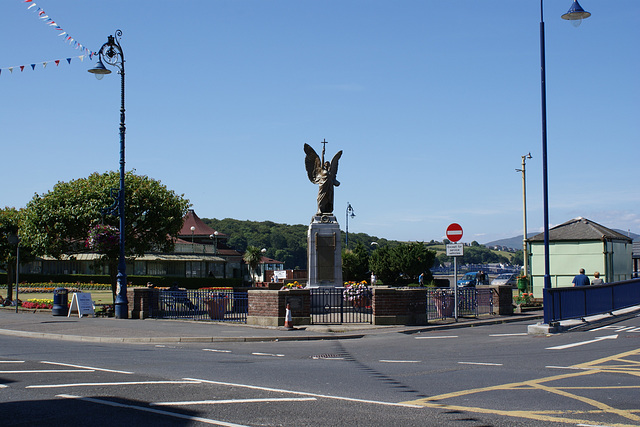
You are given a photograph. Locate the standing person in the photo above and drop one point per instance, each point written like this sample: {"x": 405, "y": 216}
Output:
{"x": 596, "y": 279}
{"x": 581, "y": 279}
{"x": 421, "y": 279}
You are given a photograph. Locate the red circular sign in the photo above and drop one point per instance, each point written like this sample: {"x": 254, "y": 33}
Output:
{"x": 454, "y": 232}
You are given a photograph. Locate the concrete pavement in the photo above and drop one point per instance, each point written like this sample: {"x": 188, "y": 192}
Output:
{"x": 42, "y": 324}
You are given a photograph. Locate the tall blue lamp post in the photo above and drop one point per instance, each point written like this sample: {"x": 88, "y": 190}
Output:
{"x": 111, "y": 53}
{"x": 576, "y": 14}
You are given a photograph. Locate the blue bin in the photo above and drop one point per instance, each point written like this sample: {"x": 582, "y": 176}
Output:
{"x": 60, "y": 302}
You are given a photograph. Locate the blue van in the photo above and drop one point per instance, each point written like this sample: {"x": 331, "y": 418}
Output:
{"x": 472, "y": 279}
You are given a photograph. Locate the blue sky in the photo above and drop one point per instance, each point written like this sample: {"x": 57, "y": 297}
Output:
{"x": 432, "y": 101}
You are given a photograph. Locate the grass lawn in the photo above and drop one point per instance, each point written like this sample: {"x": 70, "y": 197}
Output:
{"x": 98, "y": 297}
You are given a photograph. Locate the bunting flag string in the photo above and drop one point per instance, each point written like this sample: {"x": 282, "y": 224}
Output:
{"x": 42, "y": 15}
{"x": 44, "y": 64}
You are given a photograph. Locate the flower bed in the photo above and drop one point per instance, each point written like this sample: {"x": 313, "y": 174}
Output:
{"x": 38, "y": 303}
{"x": 25, "y": 288}
{"x": 294, "y": 285}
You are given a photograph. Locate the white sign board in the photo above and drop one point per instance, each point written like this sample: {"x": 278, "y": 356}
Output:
{"x": 455, "y": 249}
{"x": 280, "y": 274}
{"x": 82, "y": 304}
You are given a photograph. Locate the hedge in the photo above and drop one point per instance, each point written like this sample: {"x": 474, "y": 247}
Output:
{"x": 162, "y": 281}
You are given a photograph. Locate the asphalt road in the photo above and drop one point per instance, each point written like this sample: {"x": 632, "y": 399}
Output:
{"x": 484, "y": 376}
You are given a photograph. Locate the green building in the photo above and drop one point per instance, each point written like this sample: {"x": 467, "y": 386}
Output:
{"x": 580, "y": 243}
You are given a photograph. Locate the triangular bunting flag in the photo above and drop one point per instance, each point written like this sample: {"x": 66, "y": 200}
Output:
{"x": 33, "y": 66}
{"x": 21, "y": 68}
{"x": 69, "y": 60}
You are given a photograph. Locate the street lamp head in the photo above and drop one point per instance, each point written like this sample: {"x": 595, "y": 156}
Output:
{"x": 576, "y": 14}
{"x": 99, "y": 70}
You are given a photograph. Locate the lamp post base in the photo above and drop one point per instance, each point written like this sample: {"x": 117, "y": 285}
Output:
{"x": 122, "y": 310}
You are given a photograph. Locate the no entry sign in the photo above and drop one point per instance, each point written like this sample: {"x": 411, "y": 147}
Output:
{"x": 454, "y": 232}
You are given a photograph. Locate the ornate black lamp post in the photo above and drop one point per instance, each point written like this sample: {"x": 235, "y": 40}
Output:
{"x": 351, "y": 214}
{"x": 111, "y": 53}
{"x": 576, "y": 13}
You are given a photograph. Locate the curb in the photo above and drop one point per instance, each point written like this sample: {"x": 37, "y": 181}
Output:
{"x": 289, "y": 336}
{"x": 171, "y": 340}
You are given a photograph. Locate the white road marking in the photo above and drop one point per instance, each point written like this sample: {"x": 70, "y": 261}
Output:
{"x": 302, "y": 393}
{"x": 87, "y": 367}
{"x": 563, "y": 347}
{"x": 433, "y": 338}
{"x": 268, "y": 354}
{"x": 152, "y": 410}
{"x": 400, "y": 361}
{"x": 216, "y": 351}
{"x": 568, "y": 367}
{"x": 44, "y": 371}
{"x": 109, "y": 384}
{"x": 509, "y": 335}
{"x": 11, "y": 361}
{"x": 617, "y": 328}
{"x": 218, "y": 402}
{"x": 480, "y": 363}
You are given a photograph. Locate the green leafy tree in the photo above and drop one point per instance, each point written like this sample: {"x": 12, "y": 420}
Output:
{"x": 380, "y": 265}
{"x": 414, "y": 259}
{"x": 252, "y": 256}
{"x": 355, "y": 263}
{"x": 518, "y": 258}
{"x": 403, "y": 263}
{"x": 59, "y": 221}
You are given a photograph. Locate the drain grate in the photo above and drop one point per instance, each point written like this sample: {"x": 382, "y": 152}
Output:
{"x": 328, "y": 356}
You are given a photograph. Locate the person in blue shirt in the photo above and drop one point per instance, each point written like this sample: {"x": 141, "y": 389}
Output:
{"x": 581, "y": 279}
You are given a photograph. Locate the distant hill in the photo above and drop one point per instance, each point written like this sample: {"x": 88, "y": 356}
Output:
{"x": 512, "y": 242}
{"x": 516, "y": 242}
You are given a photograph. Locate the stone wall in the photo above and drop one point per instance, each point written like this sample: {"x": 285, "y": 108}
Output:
{"x": 269, "y": 307}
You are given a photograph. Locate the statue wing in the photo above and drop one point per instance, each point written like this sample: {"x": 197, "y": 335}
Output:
{"x": 312, "y": 163}
{"x": 334, "y": 164}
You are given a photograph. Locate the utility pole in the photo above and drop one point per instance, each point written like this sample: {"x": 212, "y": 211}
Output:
{"x": 524, "y": 213}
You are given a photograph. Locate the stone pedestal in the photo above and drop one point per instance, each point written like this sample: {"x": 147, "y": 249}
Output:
{"x": 324, "y": 253}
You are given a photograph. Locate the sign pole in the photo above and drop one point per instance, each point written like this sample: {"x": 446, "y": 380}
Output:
{"x": 455, "y": 287}
{"x": 454, "y": 234}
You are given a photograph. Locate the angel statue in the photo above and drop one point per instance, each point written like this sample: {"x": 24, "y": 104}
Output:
{"x": 324, "y": 174}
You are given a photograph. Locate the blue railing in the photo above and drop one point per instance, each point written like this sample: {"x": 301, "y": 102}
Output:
{"x": 222, "y": 306}
{"x": 579, "y": 302}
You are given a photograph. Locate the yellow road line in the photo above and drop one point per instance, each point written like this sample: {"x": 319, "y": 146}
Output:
{"x": 619, "y": 363}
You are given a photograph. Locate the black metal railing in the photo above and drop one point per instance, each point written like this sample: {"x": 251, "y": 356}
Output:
{"x": 472, "y": 302}
{"x": 222, "y": 306}
{"x": 332, "y": 306}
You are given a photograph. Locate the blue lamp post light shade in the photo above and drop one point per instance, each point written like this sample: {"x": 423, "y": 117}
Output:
{"x": 99, "y": 70}
{"x": 576, "y": 12}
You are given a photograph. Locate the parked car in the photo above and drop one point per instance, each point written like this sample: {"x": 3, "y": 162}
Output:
{"x": 509, "y": 279}
{"x": 472, "y": 279}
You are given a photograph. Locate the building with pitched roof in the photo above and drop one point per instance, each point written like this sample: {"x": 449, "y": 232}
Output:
{"x": 200, "y": 251}
{"x": 580, "y": 243}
